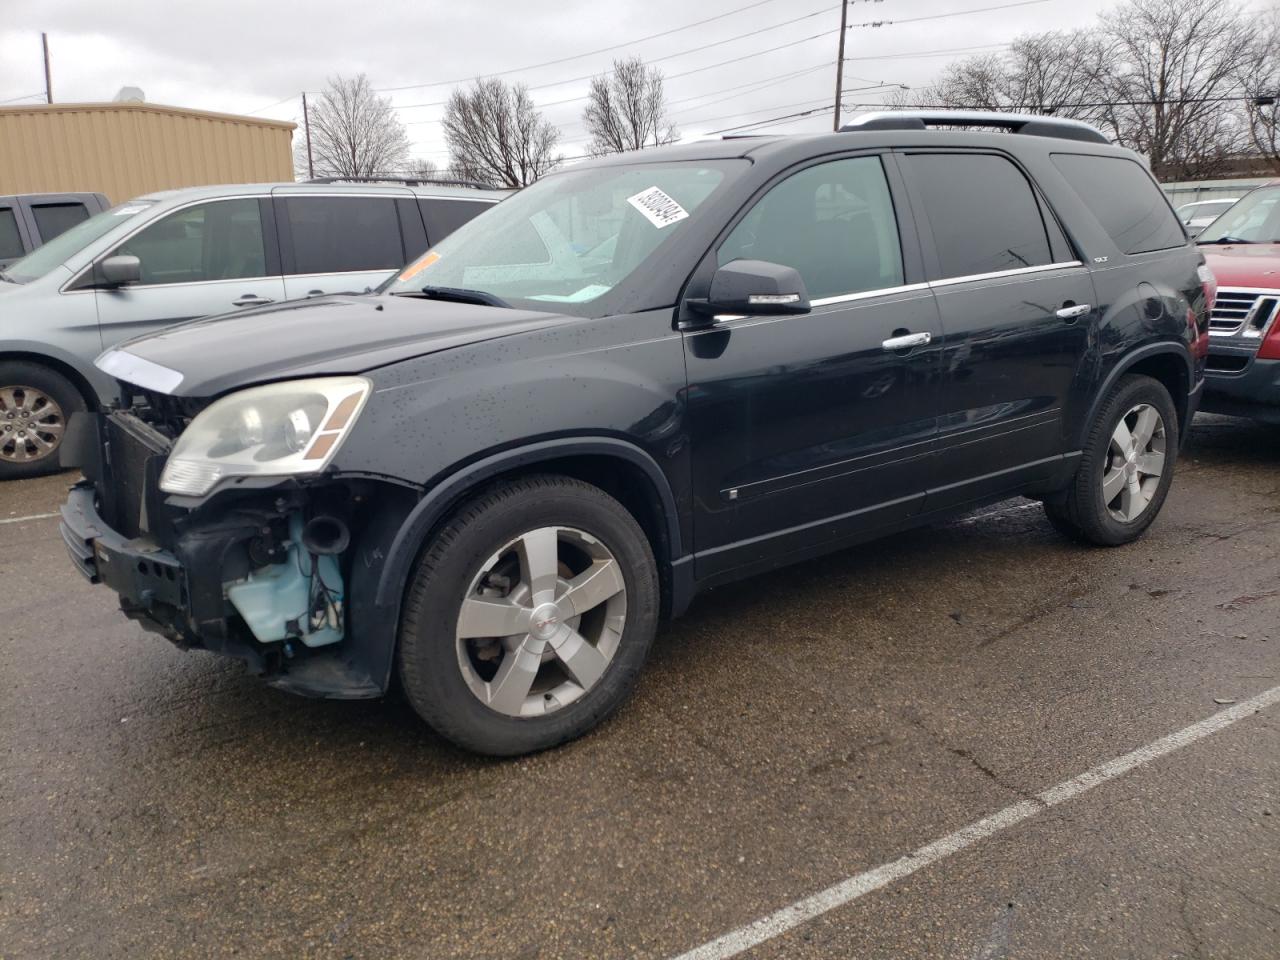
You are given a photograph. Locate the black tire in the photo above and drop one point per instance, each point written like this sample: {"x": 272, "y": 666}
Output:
{"x": 428, "y": 657}
{"x": 21, "y": 375}
{"x": 1081, "y": 512}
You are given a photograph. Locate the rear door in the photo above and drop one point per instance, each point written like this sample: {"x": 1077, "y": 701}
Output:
{"x": 14, "y": 242}
{"x": 807, "y": 430}
{"x": 1016, "y": 308}
{"x": 340, "y": 243}
{"x": 210, "y": 257}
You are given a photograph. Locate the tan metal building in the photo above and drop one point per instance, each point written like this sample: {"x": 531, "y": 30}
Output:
{"x": 132, "y": 148}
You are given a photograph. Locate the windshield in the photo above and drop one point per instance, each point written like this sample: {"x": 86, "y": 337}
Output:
{"x": 66, "y": 245}
{"x": 1255, "y": 218}
{"x": 566, "y": 241}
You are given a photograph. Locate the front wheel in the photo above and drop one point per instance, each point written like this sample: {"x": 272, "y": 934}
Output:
{"x": 35, "y": 405}
{"x": 1125, "y": 469}
{"x": 528, "y": 617}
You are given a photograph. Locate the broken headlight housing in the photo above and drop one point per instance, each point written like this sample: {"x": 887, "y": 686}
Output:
{"x": 277, "y": 430}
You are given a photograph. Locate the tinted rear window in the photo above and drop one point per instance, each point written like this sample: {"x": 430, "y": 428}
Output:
{"x": 10, "y": 239}
{"x": 344, "y": 234}
{"x": 445, "y": 216}
{"x": 1125, "y": 200}
{"x": 55, "y": 218}
{"x": 983, "y": 213}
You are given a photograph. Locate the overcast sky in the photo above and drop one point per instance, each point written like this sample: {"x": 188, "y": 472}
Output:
{"x": 239, "y": 56}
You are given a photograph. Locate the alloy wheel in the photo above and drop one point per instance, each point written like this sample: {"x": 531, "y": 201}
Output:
{"x": 1135, "y": 462}
{"x": 541, "y": 621}
{"x": 31, "y": 424}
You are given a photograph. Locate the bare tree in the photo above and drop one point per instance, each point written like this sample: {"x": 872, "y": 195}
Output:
{"x": 1160, "y": 76}
{"x": 1171, "y": 88}
{"x": 1055, "y": 73}
{"x": 626, "y": 110}
{"x": 423, "y": 169}
{"x": 354, "y": 132}
{"x": 496, "y": 134}
{"x": 1260, "y": 83}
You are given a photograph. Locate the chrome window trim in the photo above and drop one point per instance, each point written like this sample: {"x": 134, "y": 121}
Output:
{"x": 865, "y": 294}
{"x": 904, "y": 288}
{"x": 997, "y": 274}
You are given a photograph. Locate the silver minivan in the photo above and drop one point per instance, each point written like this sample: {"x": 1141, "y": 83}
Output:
{"x": 177, "y": 255}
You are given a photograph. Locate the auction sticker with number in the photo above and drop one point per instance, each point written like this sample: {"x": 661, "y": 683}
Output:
{"x": 658, "y": 208}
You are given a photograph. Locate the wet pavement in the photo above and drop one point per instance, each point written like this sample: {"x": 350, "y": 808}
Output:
{"x": 790, "y": 732}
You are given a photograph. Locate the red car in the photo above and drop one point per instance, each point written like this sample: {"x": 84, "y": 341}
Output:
{"x": 1242, "y": 248}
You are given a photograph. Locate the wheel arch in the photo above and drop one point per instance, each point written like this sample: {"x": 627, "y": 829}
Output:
{"x": 1168, "y": 362}
{"x": 618, "y": 467}
{"x": 60, "y": 366}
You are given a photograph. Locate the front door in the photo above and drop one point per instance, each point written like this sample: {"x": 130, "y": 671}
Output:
{"x": 1016, "y": 309}
{"x": 806, "y": 429}
{"x": 212, "y": 257}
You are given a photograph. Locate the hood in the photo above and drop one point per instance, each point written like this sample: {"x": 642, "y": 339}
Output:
{"x": 1244, "y": 264}
{"x": 322, "y": 336}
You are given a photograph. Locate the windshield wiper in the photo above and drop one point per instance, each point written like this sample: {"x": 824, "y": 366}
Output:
{"x": 456, "y": 295}
{"x": 6, "y": 278}
{"x": 1205, "y": 243}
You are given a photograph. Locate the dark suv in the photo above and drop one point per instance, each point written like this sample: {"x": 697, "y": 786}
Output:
{"x": 638, "y": 378}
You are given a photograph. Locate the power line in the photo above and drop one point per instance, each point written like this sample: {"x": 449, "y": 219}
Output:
{"x": 28, "y": 96}
{"x": 673, "y": 76}
{"x": 617, "y": 46}
{"x": 741, "y": 90}
{"x": 789, "y": 116}
{"x": 928, "y": 53}
{"x": 292, "y": 96}
{"x": 942, "y": 16}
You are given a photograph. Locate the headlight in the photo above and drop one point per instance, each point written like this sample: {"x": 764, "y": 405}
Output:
{"x": 278, "y": 430}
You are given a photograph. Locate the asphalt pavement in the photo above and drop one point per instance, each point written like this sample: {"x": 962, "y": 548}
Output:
{"x": 952, "y": 696}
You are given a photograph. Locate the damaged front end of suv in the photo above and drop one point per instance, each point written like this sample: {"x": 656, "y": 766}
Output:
{"x": 221, "y": 527}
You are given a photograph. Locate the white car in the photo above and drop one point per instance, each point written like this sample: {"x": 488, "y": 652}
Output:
{"x": 1198, "y": 215}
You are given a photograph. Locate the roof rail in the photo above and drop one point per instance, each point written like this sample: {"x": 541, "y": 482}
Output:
{"x": 1036, "y": 125}
{"x": 407, "y": 181}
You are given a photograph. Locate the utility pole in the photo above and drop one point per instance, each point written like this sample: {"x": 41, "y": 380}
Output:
{"x": 306, "y": 124}
{"x": 844, "y": 28}
{"x": 48, "y": 84}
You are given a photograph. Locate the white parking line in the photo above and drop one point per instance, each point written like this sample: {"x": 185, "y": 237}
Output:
{"x": 34, "y": 516}
{"x": 846, "y": 891}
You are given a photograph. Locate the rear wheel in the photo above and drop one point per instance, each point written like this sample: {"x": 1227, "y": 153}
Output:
{"x": 1126, "y": 467}
{"x": 35, "y": 405}
{"x": 529, "y": 616}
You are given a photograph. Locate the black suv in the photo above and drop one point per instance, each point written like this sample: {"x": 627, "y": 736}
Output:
{"x": 638, "y": 378}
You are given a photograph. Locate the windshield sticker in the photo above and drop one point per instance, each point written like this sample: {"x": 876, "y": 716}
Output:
{"x": 416, "y": 268}
{"x": 129, "y": 211}
{"x": 658, "y": 208}
{"x": 582, "y": 296}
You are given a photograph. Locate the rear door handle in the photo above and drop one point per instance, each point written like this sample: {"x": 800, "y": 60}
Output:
{"x": 1074, "y": 311}
{"x": 251, "y": 300}
{"x": 907, "y": 341}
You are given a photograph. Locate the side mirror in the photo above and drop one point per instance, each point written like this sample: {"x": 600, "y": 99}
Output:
{"x": 120, "y": 269}
{"x": 754, "y": 288}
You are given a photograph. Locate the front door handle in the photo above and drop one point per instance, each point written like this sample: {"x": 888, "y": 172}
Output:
{"x": 907, "y": 341}
{"x": 251, "y": 300}
{"x": 1073, "y": 311}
